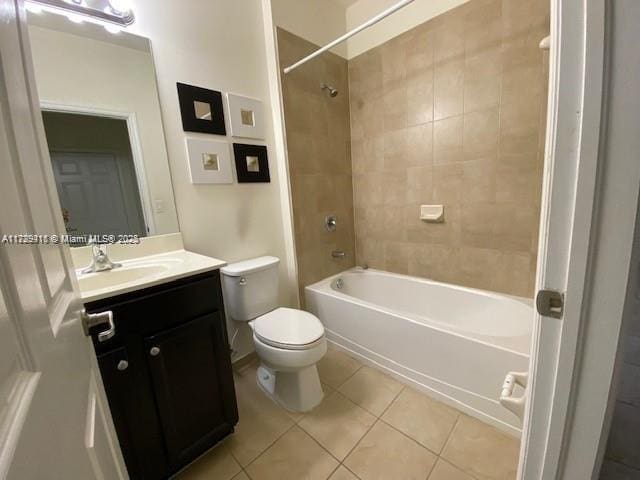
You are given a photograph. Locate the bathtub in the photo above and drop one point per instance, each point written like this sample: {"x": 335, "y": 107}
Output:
{"x": 454, "y": 343}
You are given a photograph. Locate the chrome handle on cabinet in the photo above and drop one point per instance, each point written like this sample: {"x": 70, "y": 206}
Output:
{"x": 242, "y": 282}
{"x": 155, "y": 351}
{"x": 123, "y": 365}
{"x": 91, "y": 320}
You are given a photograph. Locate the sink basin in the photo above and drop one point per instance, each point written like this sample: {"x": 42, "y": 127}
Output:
{"x": 118, "y": 276}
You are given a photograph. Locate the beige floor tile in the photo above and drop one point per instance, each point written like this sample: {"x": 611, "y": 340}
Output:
{"x": 261, "y": 420}
{"x": 342, "y": 474}
{"x": 446, "y": 471}
{"x": 336, "y": 367}
{"x": 482, "y": 451}
{"x": 337, "y": 424}
{"x": 241, "y": 476}
{"x": 218, "y": 463}
{"x": 296, "y": 456}
{"x": 385, "y": 453}
{"x": 422, "y": 418}
{"x": 371, "y": 389}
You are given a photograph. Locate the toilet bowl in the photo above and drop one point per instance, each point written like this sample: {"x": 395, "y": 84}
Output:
{"x": 289, "y": 342}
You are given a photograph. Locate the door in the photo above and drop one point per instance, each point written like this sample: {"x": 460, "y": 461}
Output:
{"x": 53, "y": 420}
{"x": 90, "y": 189}
{"x": 190, "y": 370}
{"x": 589, "y": 209}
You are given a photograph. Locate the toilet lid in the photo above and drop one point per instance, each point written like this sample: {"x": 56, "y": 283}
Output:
{"x": 287, "y": 327}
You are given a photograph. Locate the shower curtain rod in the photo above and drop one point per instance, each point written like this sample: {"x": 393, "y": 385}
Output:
{"x": 350, "y": 34}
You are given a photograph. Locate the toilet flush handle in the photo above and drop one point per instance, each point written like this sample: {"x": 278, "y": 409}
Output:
{"x": 242, "y": 282}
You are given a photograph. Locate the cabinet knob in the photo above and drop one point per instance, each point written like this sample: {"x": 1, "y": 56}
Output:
{"x": 123, "y": 365}
{"x": 154, "y": 351}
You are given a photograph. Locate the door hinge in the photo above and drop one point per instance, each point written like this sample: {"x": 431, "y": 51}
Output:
{"x": 550, "y": 303}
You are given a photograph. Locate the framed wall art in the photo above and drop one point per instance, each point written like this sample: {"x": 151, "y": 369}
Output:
{"x": 201, "y": 110}
{"x": 252, "y": 163}
{"x": 209, "y": 161}
{"x": 246, "y": 116}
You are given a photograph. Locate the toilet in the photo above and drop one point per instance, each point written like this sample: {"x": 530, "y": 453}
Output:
{"x": 288, "y": 342}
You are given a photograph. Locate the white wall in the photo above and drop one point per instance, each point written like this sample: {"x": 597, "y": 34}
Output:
{"x": 405, "y": 19}
{"x": 318, "y": 21}
{"x": 83, "y": 72}
{"x": 218, "y": 45}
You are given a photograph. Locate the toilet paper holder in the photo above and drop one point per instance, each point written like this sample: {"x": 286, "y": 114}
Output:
{"x": 514, "y": 404}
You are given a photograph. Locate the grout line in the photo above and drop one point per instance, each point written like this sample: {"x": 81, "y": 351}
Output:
{"x": 410, "y": 438}
{"x": 268, "y": 447}
{"x": 368, "y": 430}
{"x": 444, "y": 447}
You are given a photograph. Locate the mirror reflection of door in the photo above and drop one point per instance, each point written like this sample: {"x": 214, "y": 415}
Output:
{"x": 95, "y": 174}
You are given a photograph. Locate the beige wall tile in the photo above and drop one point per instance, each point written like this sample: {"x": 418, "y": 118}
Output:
{"x": 395, "y": 107}
{"x": 420, "y": 97}
{"x": 447, "y": 140}
{"x": 319, "y": 152}
{"x": 480, "y": 133}
{"x": 448, "y": 92}
{"x": 481, "y": 64}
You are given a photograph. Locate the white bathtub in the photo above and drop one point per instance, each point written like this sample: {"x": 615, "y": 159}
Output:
{"x": 455, "y": 343}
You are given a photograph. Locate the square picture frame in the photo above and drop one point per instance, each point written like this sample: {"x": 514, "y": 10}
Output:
{"x": 246, "y": 116}
{"x": 201, "y": 110}
{"x": 252, "y": 163}
{"x": 209, "y": 161}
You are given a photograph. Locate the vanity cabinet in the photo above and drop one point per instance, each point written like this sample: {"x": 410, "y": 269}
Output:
{"x": 167, "y": 373}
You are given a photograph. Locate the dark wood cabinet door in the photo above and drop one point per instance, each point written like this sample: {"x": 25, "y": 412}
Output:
{"x": 134, "y": 415}
{"x": 193, "y": 385}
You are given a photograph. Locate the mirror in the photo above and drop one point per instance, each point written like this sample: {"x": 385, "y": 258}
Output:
{"x": 203, "y": 110}
{"x": 101, "y": 115}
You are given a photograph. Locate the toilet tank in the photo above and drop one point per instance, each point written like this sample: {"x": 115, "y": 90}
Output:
{"x": 250, "y": 287}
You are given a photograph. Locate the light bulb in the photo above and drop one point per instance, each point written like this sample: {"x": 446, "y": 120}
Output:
{"x": 111, "y": 28}
{"x": 75, "y": 18}
{"x": 33, "y": 8}
{"x": 120, "y": 7}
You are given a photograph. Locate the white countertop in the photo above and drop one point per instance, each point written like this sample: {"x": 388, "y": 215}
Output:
{"x": 144, "y": 272}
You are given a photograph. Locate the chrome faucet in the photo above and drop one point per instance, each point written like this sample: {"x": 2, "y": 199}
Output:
{"x": 99, "y": 260}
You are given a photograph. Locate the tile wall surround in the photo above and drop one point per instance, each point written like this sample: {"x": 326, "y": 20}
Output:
{"x": 451, "y": 112}
{"x": 318, "y": 141}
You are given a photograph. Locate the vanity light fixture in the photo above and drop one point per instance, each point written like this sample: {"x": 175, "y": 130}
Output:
{"x": 33, "y": 8}
{"x": 113, "y": 15}
{"x": 119, "y": 7}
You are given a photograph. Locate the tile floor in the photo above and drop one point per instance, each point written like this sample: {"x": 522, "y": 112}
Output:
{"x": 368, "y": 427}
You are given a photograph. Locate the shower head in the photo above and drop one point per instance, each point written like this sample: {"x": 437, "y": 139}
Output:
{"x": 332, "y": 91}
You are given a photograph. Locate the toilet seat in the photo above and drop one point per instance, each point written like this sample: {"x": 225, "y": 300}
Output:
{"x": 289, "y": 329}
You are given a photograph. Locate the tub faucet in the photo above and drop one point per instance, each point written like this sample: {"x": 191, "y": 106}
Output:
{"x": 99, "y": 260}
{"x": 364, "y": 266}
